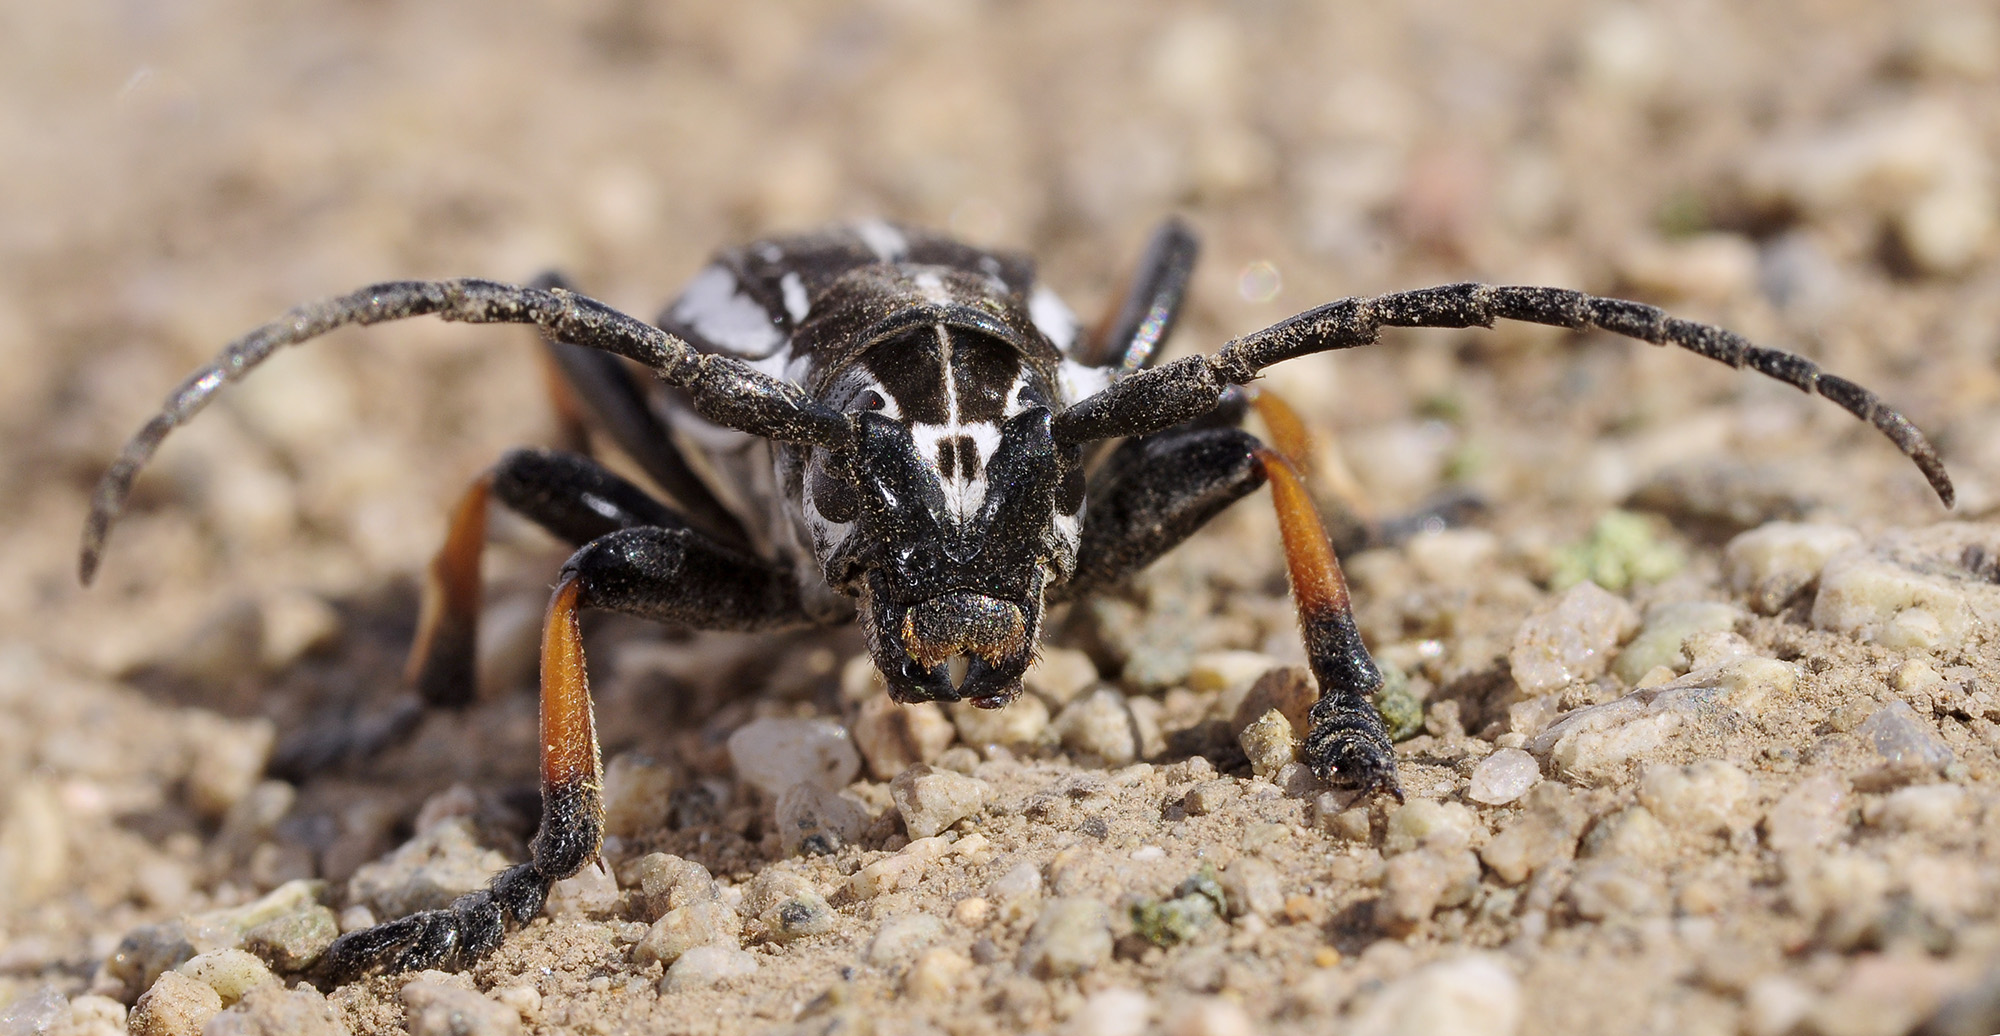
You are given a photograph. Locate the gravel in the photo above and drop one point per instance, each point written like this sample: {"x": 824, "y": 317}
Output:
{"x": 775, "y": 754}
{"x": 438, "y": 1008}
{"x": 1502, "y": 777}
{"x": 1570, "y": 639}
{"x": 1071, "y": 936}
{"x": 930, "y": 801}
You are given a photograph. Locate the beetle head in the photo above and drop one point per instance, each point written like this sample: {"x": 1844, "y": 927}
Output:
{"x": 951, "y": 599}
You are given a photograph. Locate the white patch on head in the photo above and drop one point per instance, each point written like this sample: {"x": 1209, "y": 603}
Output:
{"x": 1052, "y": 317}
{"x": 796, "y": 302}
{"x": 1077, "y": 382}
{"x": 770, "y": 253}
{"x": 714, "y": 305}
{"x": 884, "y": 240}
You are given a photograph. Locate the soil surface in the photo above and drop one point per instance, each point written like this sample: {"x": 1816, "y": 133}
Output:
{"x": 1764, "y": 757}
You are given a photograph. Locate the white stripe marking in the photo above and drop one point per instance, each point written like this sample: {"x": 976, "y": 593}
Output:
{"x": 1052, "y": 317}
{"x": 884, "y": 240}
{"x": 714, "y": 305}
{"x": 795, "y": 297}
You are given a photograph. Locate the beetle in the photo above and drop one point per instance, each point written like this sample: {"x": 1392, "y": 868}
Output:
{"x": 901, "y": 421}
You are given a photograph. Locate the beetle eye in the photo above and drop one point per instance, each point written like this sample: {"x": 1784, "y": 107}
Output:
{"x": 872, "y": 400}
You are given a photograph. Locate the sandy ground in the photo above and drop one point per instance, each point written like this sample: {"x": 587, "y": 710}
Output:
{"x": 1794, "y": 826}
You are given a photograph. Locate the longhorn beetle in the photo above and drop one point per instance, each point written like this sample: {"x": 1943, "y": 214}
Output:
{"x": 903, "y": 420}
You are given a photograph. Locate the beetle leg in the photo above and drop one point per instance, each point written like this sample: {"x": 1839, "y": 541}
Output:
{"x": 570, "y": 495}
{"x": 1130, "y": 336}
{"x": 1347, "y": 742}
{"x": 668, "y": 574}
{"x": 1154, "y": 492}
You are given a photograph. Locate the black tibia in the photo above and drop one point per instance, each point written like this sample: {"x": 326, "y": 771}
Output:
{"x": 1155, "y": 492}
{"x": 1151, "y": 400}
{"x": 1346, "y": 741}
{"x": 1133, "y": 333}
{"x": 682, "y": 578}
{"x": 616, "y": 400}
{"x": 573, "y": 497}
{"x": 723, "y": 389}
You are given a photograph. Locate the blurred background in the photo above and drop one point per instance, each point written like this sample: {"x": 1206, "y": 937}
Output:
{"x": 1817, "y": 174}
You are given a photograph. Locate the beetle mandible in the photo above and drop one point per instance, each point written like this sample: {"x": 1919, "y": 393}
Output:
{"x": 904, "y": 421}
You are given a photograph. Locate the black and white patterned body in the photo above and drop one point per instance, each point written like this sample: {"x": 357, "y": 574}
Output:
{"x": 878, "y": 422}
{"x": 950, "y": 344}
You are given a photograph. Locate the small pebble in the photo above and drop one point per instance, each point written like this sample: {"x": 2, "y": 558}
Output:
{"x": 294, "y": 942}
{"x": 525, "y": 1000}
{"x": 1252, "y": 888}
{"x": 1610, "y": 889}
{"x": 936, "y": 975}
{"x": 972, "y": 911}
{"x": 231, "y": 973}
{"x": 1098, "y": 724}
{"x": 1019, "y": 882}
{"x": 900, "y": 938}
{"x": 1502, "y": 777}
{"x": 1925, "y": 807}
{"x": 667, "y": 881}
{"x": 1290, "y": 689}
{"x": 1880, "y": 601}
{"x": 1700, "y": 798}
{"x": 1772, "y": 562}
{"x": 1217, "y": 672}
{"x": 433, "y": 1008}
{"x": 1209, "y": 796}
{"x": 91, "y": 1015}
{"x": 775, "y": 754}
{"x": 1545, "y": 831}
{"x": 893, "y": 737}
{"x": 1470, "y": 995}
{"x": 1210, "y": 1016}
{"x": 590, "y": 892}
{"x": 1269, "y": 743}
{"x": 932, "y": 800}
{"x": 1023, "y": 721}
{"x": 427, "y": 872}
{"x": 817, "y": 820}
{"x": 176, "y": 1005}
{"x": 1112, "y": 1012}
{"x": 1905, "y": 742}
{"x": 1775, "y": 1005}
{"x": 1810, "y": 815}
{"x": 1570, "y": 639}
{"x": 1660, "y": 637}
{"x": 1599, "y": 743}
{"x": 228, "y": 756}
{"x": 799, "y": 916}
{"x": 711, "y": 923}
{"x": 638, "y": 790}
{"x": 900, "y": 871}
{"x": 1633, "y": 833}
{"x": 1416, "y": 884}
{"x": 1071, "y": 936}
{"x": 1059, "y": 675}
{"x": 1443, "y": 826}
{"x": 706, "y": 966}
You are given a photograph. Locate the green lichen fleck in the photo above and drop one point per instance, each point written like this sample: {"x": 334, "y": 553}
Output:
{"x": 1170, "y": 922}
{"x": 1401, "y": 711}
{"x": 1622, "y": 549}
